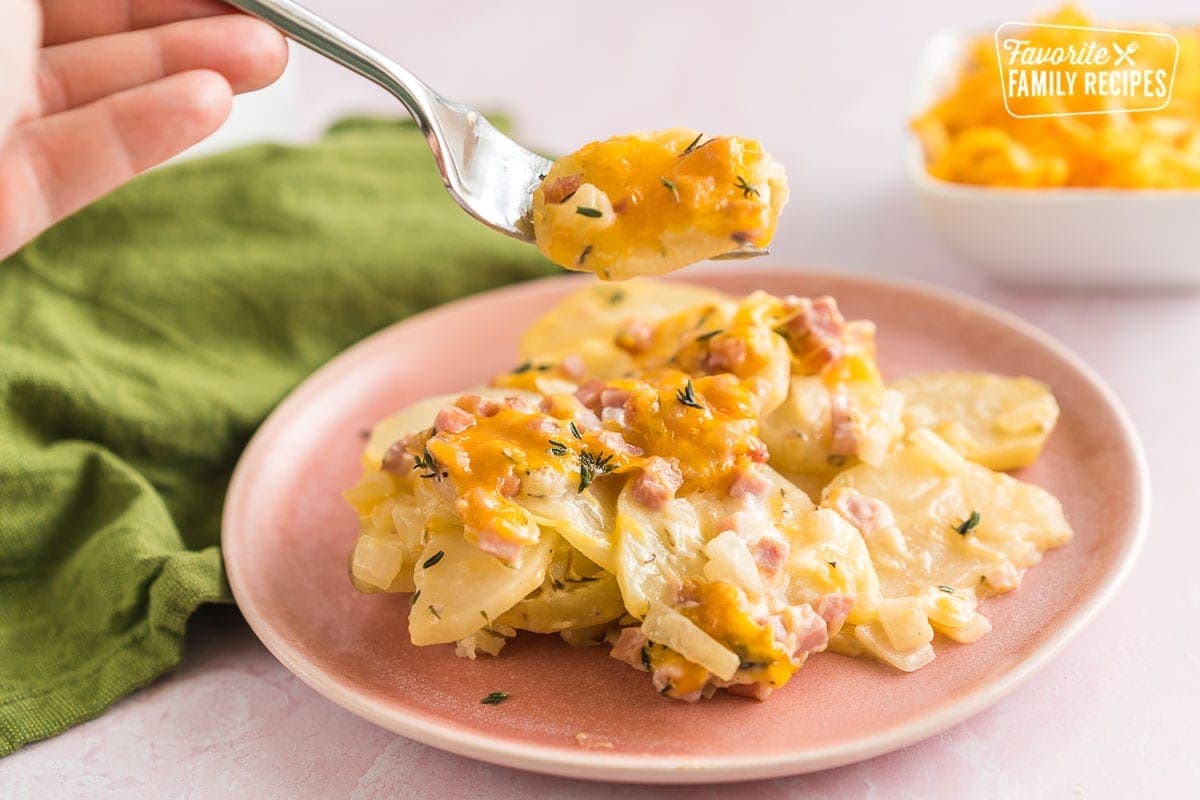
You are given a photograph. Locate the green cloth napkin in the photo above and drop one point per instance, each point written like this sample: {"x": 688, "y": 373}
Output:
{"x": 143, "y": 340}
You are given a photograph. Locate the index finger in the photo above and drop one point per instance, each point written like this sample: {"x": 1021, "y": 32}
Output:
{"x": 72, "y": 20}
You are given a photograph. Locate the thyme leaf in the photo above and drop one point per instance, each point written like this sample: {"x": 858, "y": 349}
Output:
{"x": 574, "y": 429}
{"x": 434, "y": 559}
{"x": 946, "y": 589}
{"x": 747, "y": 189}
{"x": 671, "y": 187}
{"x": 591, "y": 466}
{"x": 687, "y": 395}
{"x": 494, "y": 699}
{"x": 704, "y": 337}
{"x": 594, "y": 213}
{"x": 426, "y": 462}
{"x": 692, "y": 146}
{"x": 968, "y": 524}
{"x": 558, "y": 448}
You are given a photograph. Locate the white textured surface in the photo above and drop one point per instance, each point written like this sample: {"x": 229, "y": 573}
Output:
{"x": 826, "y": 88}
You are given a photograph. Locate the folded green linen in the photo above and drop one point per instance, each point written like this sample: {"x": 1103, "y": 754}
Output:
{"x": 141, "y": 343}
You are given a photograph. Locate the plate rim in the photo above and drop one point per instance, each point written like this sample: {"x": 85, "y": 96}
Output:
{"x": 674, "y": 769}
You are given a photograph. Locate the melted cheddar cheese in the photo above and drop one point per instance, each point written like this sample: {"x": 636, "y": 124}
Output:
{"x": 650, "y": 203}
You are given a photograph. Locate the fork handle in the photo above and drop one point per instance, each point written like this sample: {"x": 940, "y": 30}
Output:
{"x": 329, "y": 40}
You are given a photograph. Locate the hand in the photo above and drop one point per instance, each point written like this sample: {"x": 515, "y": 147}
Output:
{"x": 115, "y": 87}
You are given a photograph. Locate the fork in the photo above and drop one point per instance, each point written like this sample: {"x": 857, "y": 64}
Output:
{"x": 491, "y": 176}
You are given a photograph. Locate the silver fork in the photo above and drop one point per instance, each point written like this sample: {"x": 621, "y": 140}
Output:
{"x": 488, "y": 174}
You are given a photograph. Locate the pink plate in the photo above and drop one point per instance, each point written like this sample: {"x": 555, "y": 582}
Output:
{"x": 287, "y": 532}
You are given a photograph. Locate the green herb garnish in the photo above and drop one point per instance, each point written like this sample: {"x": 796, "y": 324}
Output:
{"x": 558, "y": 448}
{"x": 968, "y": 524}
{"x": 434, "y": 559}
{"x": 494, "y": 699}
{"x": 524, "y": 366}
{"x": 746, "y": 188}
{"x": 671, "y": 187}
{"x": 692, "y": 146}
{"x": 588, "y": 212}
{"x": 946, "y": 589}
{"x": 687, "y": 395}
{"x": 425, "y": 461}
{"x": 416, "y": 596}
{"x": 704, "y": 337}
{"x": 832, "y": 564}
{"x": 574, "y": 429}
{"x": 586, "y": 252}
{"x": 434, "y": 611}
{"x": 593, "y": 465}
{"x": 616, "y": 297}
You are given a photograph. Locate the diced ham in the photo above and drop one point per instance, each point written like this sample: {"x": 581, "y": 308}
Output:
{"x": 756, "y": 448}
{"x": 559, "y": 189}
{"x": 818, "y": 326}
{"x": 634, "y": 336}
{"x": 658, "y": 483}
{"x": 725, "y": 354}
{"x": 501, "y": 547}
{"x": 614, "y": 398}
{"x": 747, "y": 482}
{"x": 806, "y": 630}
{"x": 834, "y": 608}
{"x": 453, "y": 419}
{"x": 397, "y": 459}
{"x": 756, "y": 691}
{"x": 741, "y": 523}
{"x": 865, "y": 513}
{"x": 589, "y": 394}
{"x": 478, "y": 405}
{"x": 615, "y": 442}
{"x": 844, "y": 439}
{"x": 629, "y": 647}
{"x": 509, "y": 485}
{"x": 573, "y": 366}
{"x": 770, "y": 554}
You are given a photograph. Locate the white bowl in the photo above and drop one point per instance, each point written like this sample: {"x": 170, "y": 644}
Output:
{"x": 1140, "y": 238}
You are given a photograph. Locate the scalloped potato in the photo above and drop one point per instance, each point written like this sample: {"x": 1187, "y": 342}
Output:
{"x": 659, "y": 494}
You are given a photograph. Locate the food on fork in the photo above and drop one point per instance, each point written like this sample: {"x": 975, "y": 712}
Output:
{"x": 650, "y": 203}
{"x": 637, "y": 480}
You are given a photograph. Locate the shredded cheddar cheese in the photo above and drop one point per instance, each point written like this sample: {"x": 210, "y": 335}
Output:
{"x": 969, "y": 136}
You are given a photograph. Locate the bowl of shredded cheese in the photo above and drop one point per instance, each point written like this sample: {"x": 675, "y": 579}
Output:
{"x": 1105, "y": 198}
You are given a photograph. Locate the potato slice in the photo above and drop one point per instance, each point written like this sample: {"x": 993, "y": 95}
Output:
{"x": 464, "y": 588}
{"x": 569, "y": 604}
{"x": 599, "y": 311}
{"x": 799, "y": 433}
{"x": 827, "y": 555}
{"x": 655, "y": 549}
{"x": 585, "y": 520}
{"x": 993, "y": 420}
{"x": 960, "y": 525}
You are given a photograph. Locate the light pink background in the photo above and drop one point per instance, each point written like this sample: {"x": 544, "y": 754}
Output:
{"x": 827, "y": 90}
